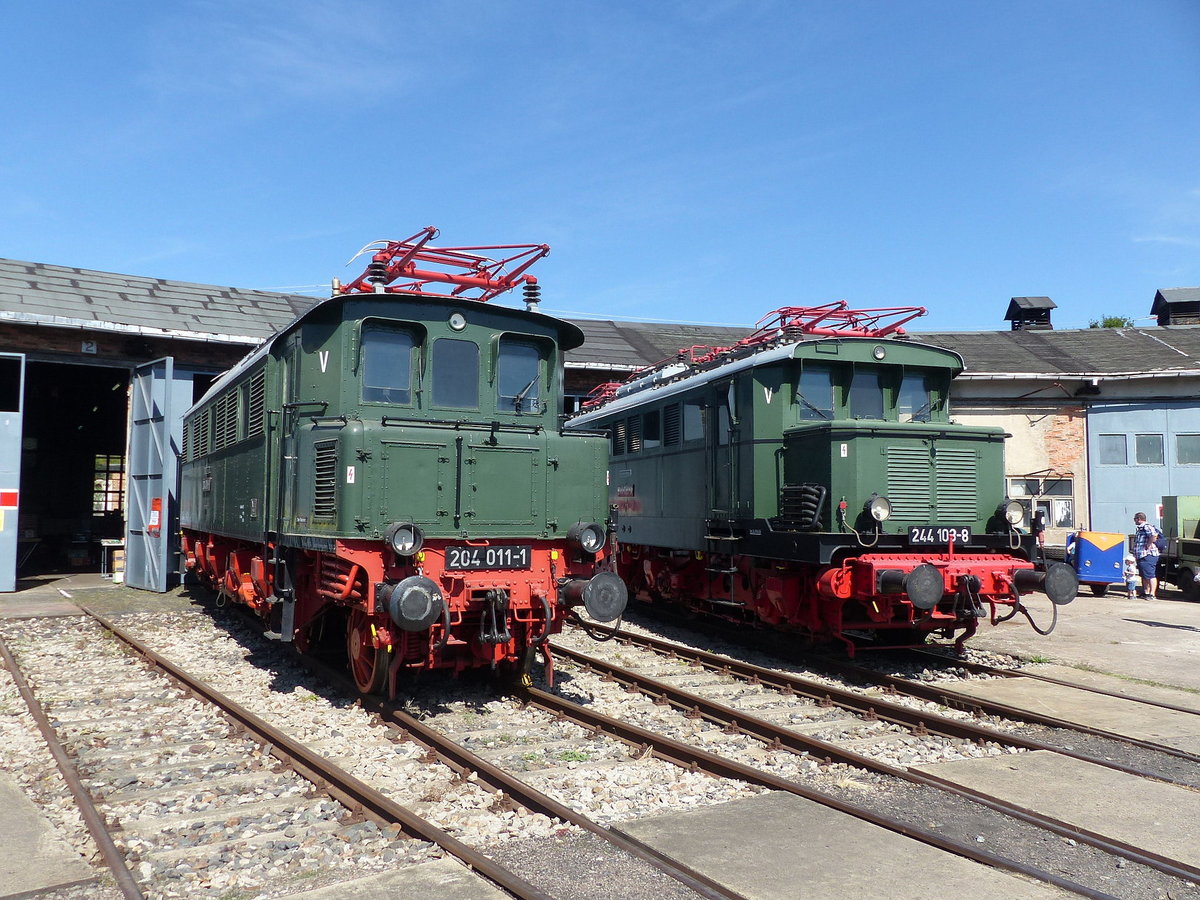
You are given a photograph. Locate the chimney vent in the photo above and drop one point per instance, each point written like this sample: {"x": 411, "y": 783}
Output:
{"x": 1029, "y": 312}
{"x": 1177, "y": 306}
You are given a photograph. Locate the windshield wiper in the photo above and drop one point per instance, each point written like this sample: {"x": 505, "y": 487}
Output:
{"x": 819, "y": 412}
{"x": 520, "y": 397}
{"x": 927, "y": 407}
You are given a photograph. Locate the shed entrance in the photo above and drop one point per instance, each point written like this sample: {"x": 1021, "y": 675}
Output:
{"x": 72, "y": 467}
{"x": 74, "y": 471}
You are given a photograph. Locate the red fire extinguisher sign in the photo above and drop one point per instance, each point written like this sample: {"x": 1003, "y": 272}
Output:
{"x": 154, "y": 527}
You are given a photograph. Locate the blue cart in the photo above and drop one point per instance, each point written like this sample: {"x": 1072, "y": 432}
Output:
{"x": 1098, "y": 559}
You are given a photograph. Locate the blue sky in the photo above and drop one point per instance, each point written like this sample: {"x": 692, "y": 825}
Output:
{"x": 687, "y": 160}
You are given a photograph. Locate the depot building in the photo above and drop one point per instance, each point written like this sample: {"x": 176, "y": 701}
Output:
{"x": 97, "y": 369}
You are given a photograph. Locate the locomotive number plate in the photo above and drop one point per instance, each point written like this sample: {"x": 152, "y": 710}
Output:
{"x": 473, "y": 558}
{"x": 938, "y": 534}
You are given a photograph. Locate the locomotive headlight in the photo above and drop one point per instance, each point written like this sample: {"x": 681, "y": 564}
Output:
{"x": 588, "y": 536}
{"x": 1014, "y": 512}
{"x": 405, "y": 538}
{"x": 880, "y": 508}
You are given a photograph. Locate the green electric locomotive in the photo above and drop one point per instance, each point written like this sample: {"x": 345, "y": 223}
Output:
{"x": 810, "y": 477}
{"x": 391, "y": 465}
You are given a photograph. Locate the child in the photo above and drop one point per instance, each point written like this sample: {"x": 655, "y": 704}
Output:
{"x": 1132, "y": 579}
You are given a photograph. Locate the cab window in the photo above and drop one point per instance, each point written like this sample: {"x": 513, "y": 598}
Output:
{"x": 518, "y": 381}
{"x": 387, "y": 365}
{"x": 455, "y": 373}
{"x": 914, "y": 403}
{"x": 814, "y": 393}
{"x": 866, "y": 394}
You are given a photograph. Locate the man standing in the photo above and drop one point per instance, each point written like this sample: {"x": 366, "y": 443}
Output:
{"x": 1145, "y": 548}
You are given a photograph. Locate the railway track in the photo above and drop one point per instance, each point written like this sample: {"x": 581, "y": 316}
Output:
{"x": 884, "y": 709}
{"x": 527, "y": 778}
{"x": 817, "y": 719}
{"x": 188, "y": 793}
{"x": 549, "y": 754}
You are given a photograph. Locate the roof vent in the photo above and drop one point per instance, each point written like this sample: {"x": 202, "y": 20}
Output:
{"x": 1177, "y": 306}
{"x": 1029, "y": 312}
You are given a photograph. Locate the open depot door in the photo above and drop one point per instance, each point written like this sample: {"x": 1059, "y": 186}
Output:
{"x": 160, "y": 394}
{"x": 12, "y": 394}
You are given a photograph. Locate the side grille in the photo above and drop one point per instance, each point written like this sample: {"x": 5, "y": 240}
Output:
{"x": 200, "y": 433}
{"x": 635, "y": 434}
{"x": 257, "y": 404}
{"x": 325, "y": 479}
{"x": 225, "y": 421}
{"x": 618, "y": 437}
{"x": 671, "y": 432}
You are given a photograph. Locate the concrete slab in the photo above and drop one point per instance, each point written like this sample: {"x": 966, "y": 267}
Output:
{"x": 1161, "y": 818}
{"x": 441, "y": 879}
{"x": 21, "y": 607}
{"x": 778, "y": 846}
{"x": 32, "y": 857}
{"x": 1147, "y": 640}
{"x": 1126, "y": 687}
{"x": 1131, "y": 718}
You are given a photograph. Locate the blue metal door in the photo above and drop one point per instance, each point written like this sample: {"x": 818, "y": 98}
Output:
{"x": 160, "y": 395}
{"x": 12, "y": 395}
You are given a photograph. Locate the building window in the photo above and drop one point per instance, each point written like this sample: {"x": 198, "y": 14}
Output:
{"x": 1148, "y": 449}
{"x": 1187, "y": 449}
{"x": 108, "y": 486}
{"x": 1111, "y": 450}
{"x": 1051, "y": 494}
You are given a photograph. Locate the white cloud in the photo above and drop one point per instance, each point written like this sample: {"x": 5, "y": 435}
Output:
{"x": 279, "y": 52}
{"x": 1172, "y": 239}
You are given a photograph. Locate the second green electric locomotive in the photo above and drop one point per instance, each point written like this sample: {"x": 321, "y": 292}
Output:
{"x": 810, "y": 477}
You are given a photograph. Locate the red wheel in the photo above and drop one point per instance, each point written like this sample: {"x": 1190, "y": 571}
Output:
{"x": 368, "y": 663}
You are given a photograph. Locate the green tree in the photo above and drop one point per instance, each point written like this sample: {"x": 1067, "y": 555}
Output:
{"x": 1112, "y": 322}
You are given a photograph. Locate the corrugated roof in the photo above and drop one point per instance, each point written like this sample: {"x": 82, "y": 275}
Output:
{"x": 35, "y": 293}
{"x": 1081, "y": 351}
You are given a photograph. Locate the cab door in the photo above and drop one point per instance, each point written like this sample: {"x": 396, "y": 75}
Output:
{"x": 718, "y": 444}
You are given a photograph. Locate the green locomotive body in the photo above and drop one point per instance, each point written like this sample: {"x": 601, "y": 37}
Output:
{"x": 815, "y": 480}
{"x": 392, "y": 464}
